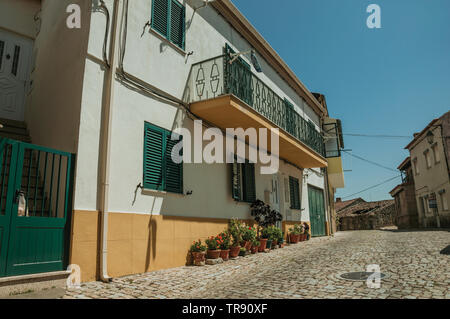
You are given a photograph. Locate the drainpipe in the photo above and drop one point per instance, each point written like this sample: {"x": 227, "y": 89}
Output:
{"x": 105, "y": 143}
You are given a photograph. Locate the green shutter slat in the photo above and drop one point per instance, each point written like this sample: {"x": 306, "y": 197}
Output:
{"x": 294, "y": 187}
{"x": 236, "y": 181}
{"x": 153, "y": 157}
{"x": 173, "y": 171}
{"x": 249, "y": 182}
{"x": 160, "y": 15}
{"x": 177, "y": 23}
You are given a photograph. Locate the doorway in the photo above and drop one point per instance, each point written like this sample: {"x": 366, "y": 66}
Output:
{"x": 15, "y": 60}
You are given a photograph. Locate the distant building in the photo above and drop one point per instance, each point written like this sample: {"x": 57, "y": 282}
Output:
{"x": 430, "y": 155}
{"x": 357, "y": 214}
{"x": 405, "y": 198}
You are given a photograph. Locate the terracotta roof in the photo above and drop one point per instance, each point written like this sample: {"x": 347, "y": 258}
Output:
{"x": 365, "y": 208}
{"x": 343, "y": 204}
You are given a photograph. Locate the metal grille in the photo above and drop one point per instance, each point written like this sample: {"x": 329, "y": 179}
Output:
{"x": 216, "y": 76}
{"x": 5, "y": 160}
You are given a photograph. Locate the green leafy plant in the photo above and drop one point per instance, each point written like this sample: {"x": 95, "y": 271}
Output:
{"x": 235, "y": 230}
{"x": 213, "y": 243}
{"x": 256, "y": 243}
{"x": 197, "y": 247}
{"x": 296, "y": 230}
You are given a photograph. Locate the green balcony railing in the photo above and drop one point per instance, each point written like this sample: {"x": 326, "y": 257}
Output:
{"x": 216, "y": 76}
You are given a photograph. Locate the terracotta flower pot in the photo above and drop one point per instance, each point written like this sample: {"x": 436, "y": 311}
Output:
{"x": 263, "y": 243}
{"x": 213, "y": 254}
{"x": 304, "y": 236}
{"x": 254, "y": 249}
{"x": 234, "y": 251}
{"x": 274, "y": 242}
{"x": 224, "y": 254}
{"x": 198, "y": 256}
{"x": 293, "y": 239}
{"x": 248, "y": 245}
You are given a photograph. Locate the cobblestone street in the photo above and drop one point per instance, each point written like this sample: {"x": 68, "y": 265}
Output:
{"x": 410, "y": 259}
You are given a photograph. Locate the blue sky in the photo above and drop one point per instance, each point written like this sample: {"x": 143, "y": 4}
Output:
{"x": 391, "y": 81}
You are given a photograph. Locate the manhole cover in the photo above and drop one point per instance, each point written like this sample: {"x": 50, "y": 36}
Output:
{"x": 361, "y": 275}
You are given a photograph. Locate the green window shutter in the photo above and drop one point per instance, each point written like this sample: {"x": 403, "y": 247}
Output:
{"x": 249, "y": 182}
{"x": 173, "y": 171}
{"x": 160, "y": 16}
{"x": 153, "y": 157}
{"x": 236, "y": 181}
{"x": 290, "y": 117}
{"x": 177, "y": 23}
{"x": 294, "y": 188}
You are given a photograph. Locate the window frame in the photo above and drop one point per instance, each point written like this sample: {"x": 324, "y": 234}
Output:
{"x": 169, "y": 23}
{"x": 241, "y": 187}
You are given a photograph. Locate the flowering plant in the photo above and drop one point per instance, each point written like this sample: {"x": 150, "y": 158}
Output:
{"x": 225, "y": 240}
{"x": 213, "y": 243}
{"x": 197, "y": 247}
{"x": 248, "y": 233}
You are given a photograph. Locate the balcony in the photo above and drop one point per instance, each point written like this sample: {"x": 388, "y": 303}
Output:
{"x": 231, "y": 96}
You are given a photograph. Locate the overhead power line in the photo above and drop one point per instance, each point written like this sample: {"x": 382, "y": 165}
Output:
{"x": 369, "y": 161}
{"x": 371, "y": 187}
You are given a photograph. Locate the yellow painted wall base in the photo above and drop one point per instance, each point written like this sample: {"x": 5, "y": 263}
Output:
{"x": 137, "y": 243}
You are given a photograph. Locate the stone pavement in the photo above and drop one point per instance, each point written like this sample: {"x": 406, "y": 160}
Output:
{"x": 310, "y": 269}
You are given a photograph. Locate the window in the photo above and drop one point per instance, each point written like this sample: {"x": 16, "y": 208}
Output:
{"x": 168, "y": 19}
{"x": 160, "y": 172}
{"x": 294, "y": 187}
{"x": 444, "y": 201}
{"x": 416, "y": 167}
{"x": 243, "y": 182}
{"x": 427, "y": 158}
{"x": 436, "y": 156}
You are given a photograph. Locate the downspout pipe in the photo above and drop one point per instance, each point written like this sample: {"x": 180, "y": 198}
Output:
{"x": 105, "y": 144}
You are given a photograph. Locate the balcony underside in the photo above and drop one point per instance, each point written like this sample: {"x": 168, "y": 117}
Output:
{"x": 228, "y": 111}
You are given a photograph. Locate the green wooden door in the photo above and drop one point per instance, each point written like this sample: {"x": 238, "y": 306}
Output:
{"x": 37, "y": 202}
{"x": 316, "y": 211}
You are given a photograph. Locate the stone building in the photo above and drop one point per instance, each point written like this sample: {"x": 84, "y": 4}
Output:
{"x": 358, "y": 214}
{"x": 405, "y": 198}
{"x": 429, "y": 152}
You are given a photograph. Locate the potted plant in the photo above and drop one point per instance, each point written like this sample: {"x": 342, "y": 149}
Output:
{"x": 294, "y": 234}
{"x": 264, "y": 240}
{"x": 198, "y": 251}
{"x": 268, "y": 232}
{"x": 255, "y": 246}
{"x": 276, "y": 235}
{"x": 224, "y": 245}
{"x": 281, "y": 240}
{"x": 234, "y": 230}
{"x": 213, "y": 251}
{"x": 248, "y": 236}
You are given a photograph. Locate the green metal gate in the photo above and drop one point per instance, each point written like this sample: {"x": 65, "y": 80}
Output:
{"x": 316, "y": 211}
{"x": 35, "y": 203}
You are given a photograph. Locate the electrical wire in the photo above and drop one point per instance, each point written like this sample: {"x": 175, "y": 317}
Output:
{"x": 369, "y": 161}
{"x": 371, "y": 187}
